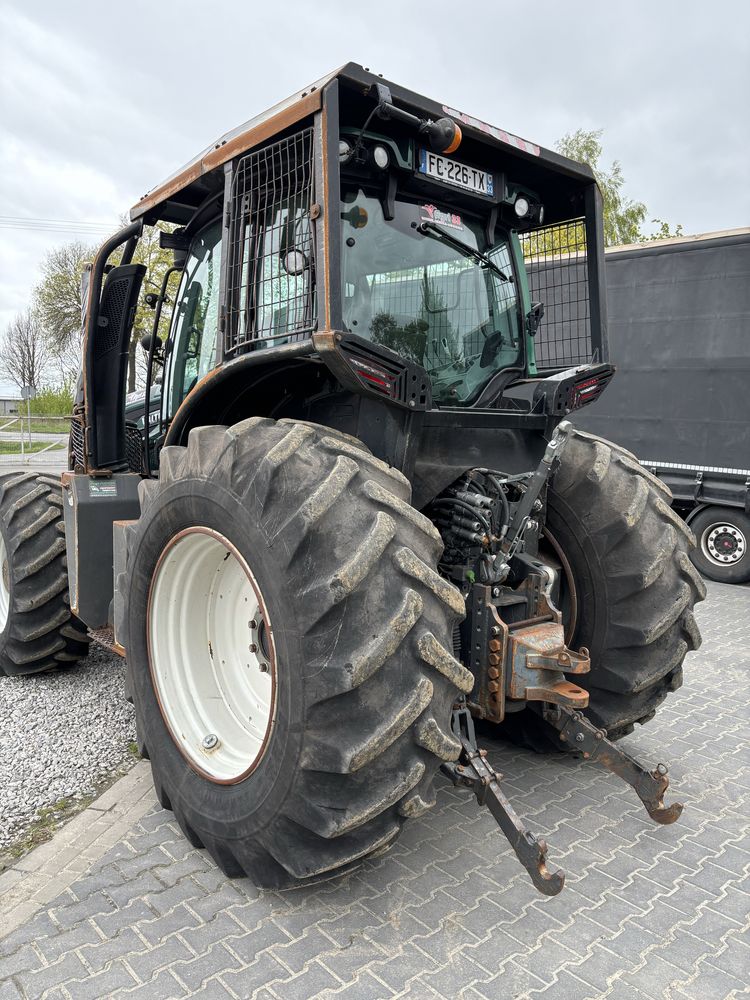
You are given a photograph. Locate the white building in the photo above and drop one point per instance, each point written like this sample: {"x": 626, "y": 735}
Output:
{"x": 9, "y": 404}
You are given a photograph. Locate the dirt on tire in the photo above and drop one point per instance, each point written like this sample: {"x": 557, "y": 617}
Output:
{"x": 362, "y": 626}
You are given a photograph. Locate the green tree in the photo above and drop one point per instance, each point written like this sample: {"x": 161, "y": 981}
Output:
{"x": 623, "y": 218}
{"x": 52, "y": 402}
{"x": 665, "y": 231}
{"x": 57, "y": 302}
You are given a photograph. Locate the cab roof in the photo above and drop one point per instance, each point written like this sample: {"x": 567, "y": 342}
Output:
{"x": 178, "y": 196}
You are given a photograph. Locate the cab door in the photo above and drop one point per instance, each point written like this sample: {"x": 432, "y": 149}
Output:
{"x": 191, "y": 350}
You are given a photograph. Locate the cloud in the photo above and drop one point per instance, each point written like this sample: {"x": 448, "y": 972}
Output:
{"x": 99, "y": 102}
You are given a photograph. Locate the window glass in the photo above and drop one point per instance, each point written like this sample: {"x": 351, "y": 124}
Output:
{"x": 430, "y": 300}
{"x": 192, "y": 349}
{"x": 274, "y": 293}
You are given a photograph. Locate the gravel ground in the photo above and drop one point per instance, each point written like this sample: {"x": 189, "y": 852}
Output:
{"x": 61, "y": 734}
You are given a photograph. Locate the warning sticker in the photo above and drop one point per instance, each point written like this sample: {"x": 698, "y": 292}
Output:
{"x": 102, "y": 487}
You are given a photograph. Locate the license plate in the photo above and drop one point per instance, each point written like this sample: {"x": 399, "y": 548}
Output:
{"x": 440, "y": 168}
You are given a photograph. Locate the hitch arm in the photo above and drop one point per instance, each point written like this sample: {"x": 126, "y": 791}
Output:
{"x": 473, "y": 771}
{"x": 579, "y": 735}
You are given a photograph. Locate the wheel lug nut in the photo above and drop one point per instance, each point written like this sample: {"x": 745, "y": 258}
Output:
{"x": 210, "y": 741}
{"x": 252, "y": 623}
{"x": 263, "y": 668}
{"x": 253, "y": 647}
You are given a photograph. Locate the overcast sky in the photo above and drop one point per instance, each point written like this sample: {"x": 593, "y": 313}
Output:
{"x": 99, "y": 102}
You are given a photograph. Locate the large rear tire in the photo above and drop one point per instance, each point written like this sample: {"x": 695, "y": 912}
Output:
{"x": 628, "y": 554}
{"x": 355, "y": 714}
{"x": 37, "y": 630}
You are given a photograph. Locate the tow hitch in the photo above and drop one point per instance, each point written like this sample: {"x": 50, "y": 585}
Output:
{"x": 576, "y": 735}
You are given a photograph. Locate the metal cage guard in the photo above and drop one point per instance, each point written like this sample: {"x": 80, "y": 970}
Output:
{"x": 270, "y": 289}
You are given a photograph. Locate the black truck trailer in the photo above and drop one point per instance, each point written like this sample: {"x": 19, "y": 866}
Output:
{"x": 679, "y": 334}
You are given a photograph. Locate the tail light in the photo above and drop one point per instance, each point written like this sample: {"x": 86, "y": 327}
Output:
{"x": 382, "y": 372}
{"x": 376, "y": 378}
{"x": 588, "y": 390}
{"x": 570, "y": 390}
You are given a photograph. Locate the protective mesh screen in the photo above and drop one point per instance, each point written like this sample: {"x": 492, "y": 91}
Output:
{"x": 557, "y": 269}
{"x": 270, "y": 292}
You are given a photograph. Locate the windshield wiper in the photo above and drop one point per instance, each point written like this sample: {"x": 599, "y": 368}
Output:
{"x": 437, "y": 232}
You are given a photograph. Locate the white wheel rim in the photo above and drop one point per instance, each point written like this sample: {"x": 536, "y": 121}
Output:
{"x": 212, "y": 656}
{"x": 724, "y": 544}
{"x": 4, "y": 585}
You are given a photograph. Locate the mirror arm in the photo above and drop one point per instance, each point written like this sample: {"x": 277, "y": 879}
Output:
{"x": 150, "y": 366}
{"x": 534, "y": 318}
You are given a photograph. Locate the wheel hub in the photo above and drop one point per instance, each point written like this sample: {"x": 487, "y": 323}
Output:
{"x": 211, "y": 654}
{"x": 724, "y": 544}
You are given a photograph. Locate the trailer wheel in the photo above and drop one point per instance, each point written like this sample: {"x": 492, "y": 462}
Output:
{"x": 628, "y": 554}
{"x": 289, "y": 639}
{"x": 722, "y": 552}
{"x": 37, "y": 630}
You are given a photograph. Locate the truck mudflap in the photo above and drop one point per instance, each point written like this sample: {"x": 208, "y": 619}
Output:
{"x": 576, "y": 735}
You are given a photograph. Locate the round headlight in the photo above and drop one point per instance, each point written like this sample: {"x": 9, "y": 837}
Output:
{"x": 345, "y": 151}
{"x": 521, "y": 206}
{"x": 380, "y": 157}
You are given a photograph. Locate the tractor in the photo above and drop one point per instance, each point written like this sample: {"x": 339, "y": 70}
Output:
{"x": 357, "y": 526}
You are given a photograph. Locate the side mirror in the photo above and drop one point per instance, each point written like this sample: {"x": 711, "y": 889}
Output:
{"x": 534, "y": 318}
{"x": 146, "y": 345}
{"x": 146, "y": 342}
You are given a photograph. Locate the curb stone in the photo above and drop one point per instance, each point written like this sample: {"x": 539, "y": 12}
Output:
{"x": 46, "y": 871}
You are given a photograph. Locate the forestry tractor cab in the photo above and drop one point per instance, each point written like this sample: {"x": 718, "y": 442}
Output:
{"x": 357, "y": 521}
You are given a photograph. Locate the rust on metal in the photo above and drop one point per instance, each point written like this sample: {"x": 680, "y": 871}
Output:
{"x": 239, "y": 140}
{"x": 559, "y": 693}
{"x": 475, "y": 772}
{"x": 536, "y": 663}
{"x": 106, "y": 637}
{"x": 580, "y": 736}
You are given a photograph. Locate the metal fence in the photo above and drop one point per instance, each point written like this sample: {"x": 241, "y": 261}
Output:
{"x": 34, "y": 441}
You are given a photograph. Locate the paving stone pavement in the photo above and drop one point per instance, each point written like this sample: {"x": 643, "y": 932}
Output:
{"x": 647, "y": 911}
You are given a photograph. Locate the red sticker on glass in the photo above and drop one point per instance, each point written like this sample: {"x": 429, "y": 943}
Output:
{"x": 430, "y": 213}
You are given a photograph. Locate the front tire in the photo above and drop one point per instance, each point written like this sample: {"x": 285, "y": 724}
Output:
{"x": 38, "y": 632}
{"x": 360, "y": 623}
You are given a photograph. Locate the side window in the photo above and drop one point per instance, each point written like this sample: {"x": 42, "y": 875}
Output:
{"x": 192, "y": 345}
{"x": 281, "y": 272}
